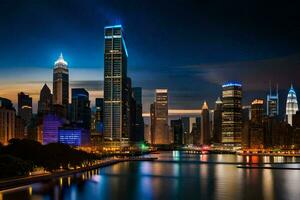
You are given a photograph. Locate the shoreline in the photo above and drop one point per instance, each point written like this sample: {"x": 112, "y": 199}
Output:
{"x": 27, "y": 180}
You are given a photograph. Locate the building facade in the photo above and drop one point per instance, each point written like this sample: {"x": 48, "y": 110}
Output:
{"x": 176, "y": 126}
{"x": 115, "y": 81}
{"x": 205, "y": 125}
{"x": 217, "y": 121}
{"x": 25, "y": 107}
{"x": 291, "y": 105}
{"x": 273, "y": 103}
{"x": 232, "y": 114}
{"x": 61, "y": 84}
{"x": 73, "y": 136}
{"x": 51, "y": 125}
{"x": 161, "y": 129}
{"x": 137, "y": 115}
{"x": 45, "y": 101}
{"x": 80, "y": 108}
{"x": 7, "y": 120}
{"x": 99, "y": 116}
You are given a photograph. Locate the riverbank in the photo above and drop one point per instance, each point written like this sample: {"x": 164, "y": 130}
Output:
{"x": 266, "y": 167}
{"x": 21, "y": 181}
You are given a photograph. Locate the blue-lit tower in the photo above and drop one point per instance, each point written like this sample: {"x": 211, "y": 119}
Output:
{"x": 273, "y": 103}
{"x": 291, "y": 105}
{"x": 115, "y": 80}
{"x": 232, "y": 114}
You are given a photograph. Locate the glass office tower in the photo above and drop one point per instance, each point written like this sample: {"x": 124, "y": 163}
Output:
{"x": 232, "y": 114}
{"x": 115, "y": 77}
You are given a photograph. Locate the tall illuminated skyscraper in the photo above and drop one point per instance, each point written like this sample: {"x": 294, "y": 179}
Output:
{"x": 232, "y": 114}
{"x": 115, "y": 81}
{"x": 205, "y": 126}
{"x": 161, "y": 129}
{"x": 61, "y": 83}
{"x": 291, "y": 105}
{"x": 273, "y": 103}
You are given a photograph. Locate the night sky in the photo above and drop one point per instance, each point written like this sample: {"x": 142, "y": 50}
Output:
{"x": 189, "y": 47}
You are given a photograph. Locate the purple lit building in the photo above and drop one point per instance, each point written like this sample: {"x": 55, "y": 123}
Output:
{"x": 50, "y": 130}
{"x": 74, "y": 136}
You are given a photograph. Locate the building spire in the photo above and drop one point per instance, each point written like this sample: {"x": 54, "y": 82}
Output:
{"x": 61, "y": 60}
{"x": 205, "y": 106}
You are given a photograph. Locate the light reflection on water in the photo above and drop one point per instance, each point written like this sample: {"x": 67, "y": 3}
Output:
{"x": 167, "y": 180}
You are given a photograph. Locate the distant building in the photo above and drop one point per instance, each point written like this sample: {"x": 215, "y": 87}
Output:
{"x": 45, "y": 101}
{"x": 73, "y": 136}
{"x": 176, "y": 126}
{"x": 99, "y": 116}
{"x": 291, "y": 105}
{"x": 51, "y": 123}
{"x": 246, "y": 113}
{"x": 152, "y": 121}
{"x": 217, "y": 121}
{"x": 137, "y": 115}
{"x": 115, "y": 84}
{"x": 7, "y": 120}
{"x": 205, "y": 125}
{"x": 253, "y": 130}
{"x": 19, "y": 128}
{"x": 257, "y": 110}
{"x": 232, "y": 114}
{"x": 25, "y": 107}
{"x": 61, "y": 84}
{"x": 186, "y": 129}
{"x": 161, "y": 129}
{"x": 273, "y": 103}
{"x": 81, "y": 111}
{"x": 296, "y": 125}
{"x": 147, "y": 134}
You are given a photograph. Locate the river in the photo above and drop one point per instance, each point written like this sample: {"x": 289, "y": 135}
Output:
{"x": 175, "y": 175}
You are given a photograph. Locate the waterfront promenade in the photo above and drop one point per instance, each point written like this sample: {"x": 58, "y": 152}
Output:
{"x": 21, "y": 181}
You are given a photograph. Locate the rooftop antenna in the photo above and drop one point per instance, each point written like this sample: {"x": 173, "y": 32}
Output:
{"x": 277, "y": 89}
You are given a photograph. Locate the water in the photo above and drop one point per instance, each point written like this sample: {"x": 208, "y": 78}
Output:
{"x": 165, "y": 179}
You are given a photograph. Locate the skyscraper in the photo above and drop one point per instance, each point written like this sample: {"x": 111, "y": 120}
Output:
{"x": 273, "y": 103}
{"x": 177, "y": 131}
{"x": 186, "y": 129}
{"x": 99, "y": 115}
{"x": 253, "y": 130}
{"x": 61, "y": 84}
{"x": 45, "y": 101}
{"x": 205, "y": 125}
{"x": 232, "y": 114}
{"x": 291, "y": 105}
{"x": 257, "y": 110}
{"x": 161, "y": 129}
{"x": 152, "y": 120}
{"x": 25, "y": 107}
{"x": 7, "y": 120}
{"x": 81, "y": 112}
{"x": 217, "y": 122}
{"x": 138, "y": 126}
{"x": 115, "y": 81}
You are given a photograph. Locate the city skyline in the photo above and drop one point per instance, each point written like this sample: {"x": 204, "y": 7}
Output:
{"x": 200, "y": 74}
{"x": 181, "y": 99}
